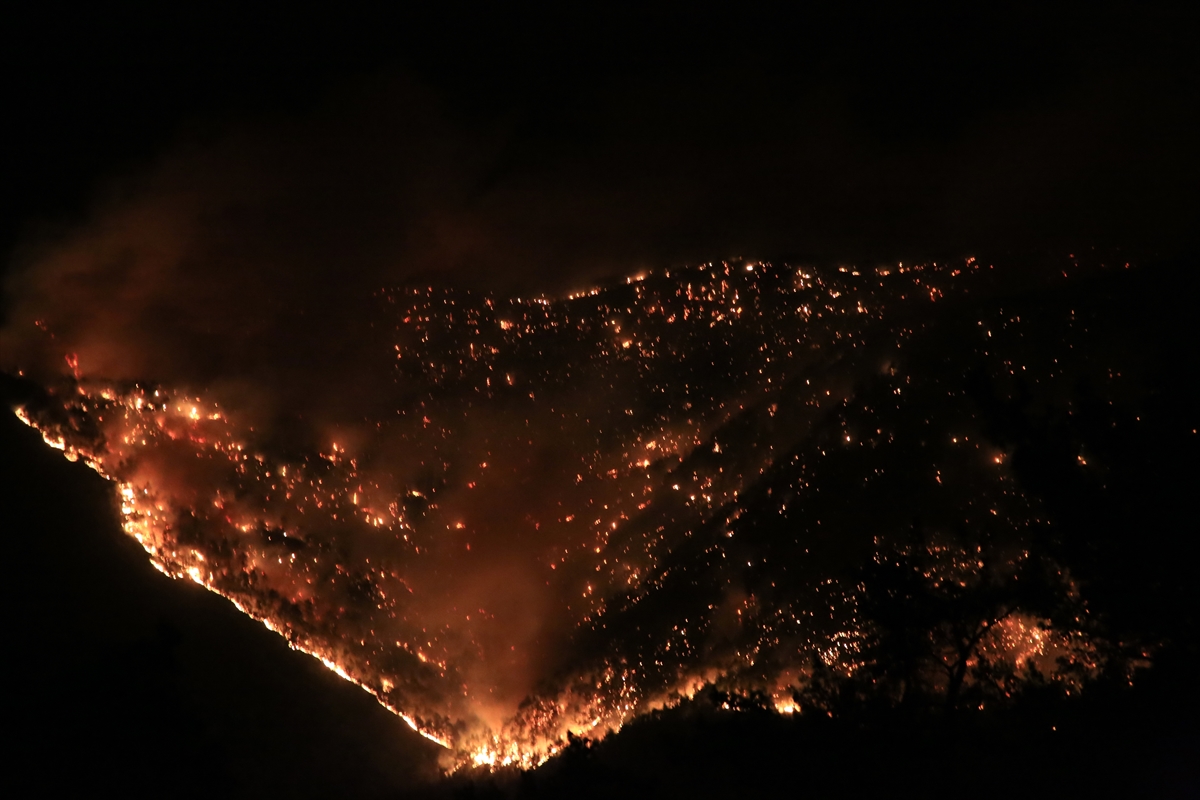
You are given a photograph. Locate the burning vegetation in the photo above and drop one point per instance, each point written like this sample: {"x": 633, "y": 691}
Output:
{"x": 548, "y": 516}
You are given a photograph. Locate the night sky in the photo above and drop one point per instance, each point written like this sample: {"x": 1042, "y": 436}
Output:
{"x": 893, "y": 307}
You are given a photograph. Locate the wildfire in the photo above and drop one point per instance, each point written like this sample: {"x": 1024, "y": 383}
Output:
{"x": 601, "y": 452}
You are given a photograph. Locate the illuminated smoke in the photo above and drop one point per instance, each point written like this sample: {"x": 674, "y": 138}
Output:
{"x": 516, "y": 519}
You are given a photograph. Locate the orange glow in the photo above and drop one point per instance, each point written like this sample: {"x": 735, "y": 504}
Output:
{"x": 597, "y": 435}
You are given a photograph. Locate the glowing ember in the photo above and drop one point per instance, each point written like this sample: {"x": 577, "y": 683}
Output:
{"x": 576, "y": 511}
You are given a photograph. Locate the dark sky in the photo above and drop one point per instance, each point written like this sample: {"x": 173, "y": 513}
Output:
{"x": 598, "y": 138}
{"x": 517, "y": 149}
